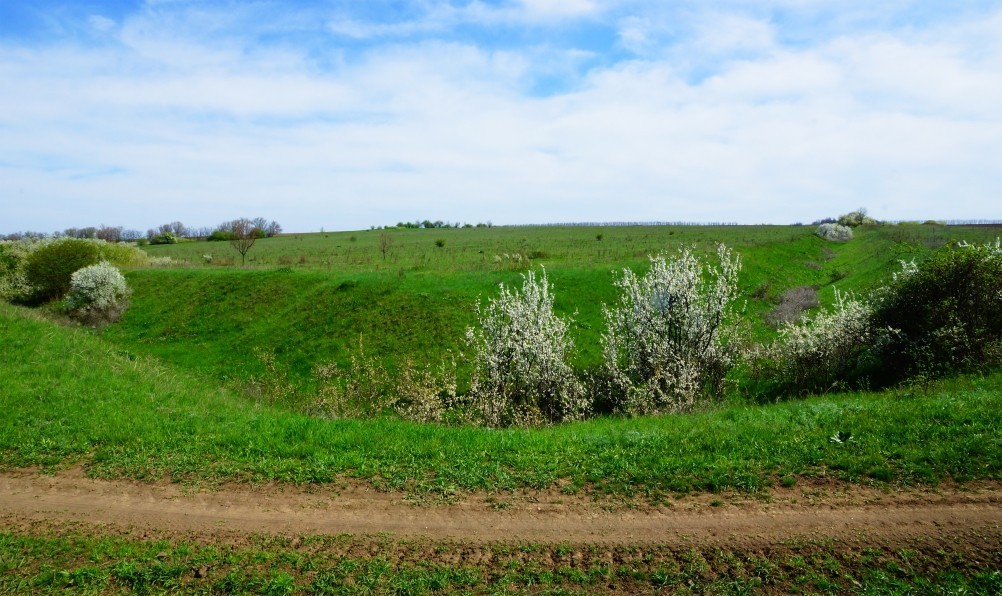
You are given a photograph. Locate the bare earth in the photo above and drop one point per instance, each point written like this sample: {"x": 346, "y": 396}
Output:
{"x": 953, "y": 516}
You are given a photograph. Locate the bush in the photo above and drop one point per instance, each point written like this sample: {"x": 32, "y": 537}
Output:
{"x": 945, "y": 313}
{"x": 834, "y": 232}
{"x": 520, "y": 372}
{"x": 14, "y": 284}
{"x": 14, "y": 257}
{"x": 165, "y": 238}
{"x": 98, "y": 294}
{"x": 856, "y": 218}
{"x": 48, "y": 268}
{"x": 665, "y": 344}
{"x": 824, "y": 352}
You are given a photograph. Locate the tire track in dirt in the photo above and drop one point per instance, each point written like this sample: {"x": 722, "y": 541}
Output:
{"x": 851, "y": 514}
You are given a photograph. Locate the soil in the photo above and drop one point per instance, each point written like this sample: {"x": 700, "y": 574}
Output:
{"x": 813, "y": 510}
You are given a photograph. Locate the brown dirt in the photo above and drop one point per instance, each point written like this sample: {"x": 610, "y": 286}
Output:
{"x": 850, "y": 514}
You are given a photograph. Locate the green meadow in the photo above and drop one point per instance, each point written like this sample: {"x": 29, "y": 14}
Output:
{"x": 209, "y": 377}
{"x": 165, "y": 392}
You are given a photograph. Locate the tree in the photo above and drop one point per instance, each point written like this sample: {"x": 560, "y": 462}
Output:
{"x": 244, "y": 234}
{"x": 385, "y": 242}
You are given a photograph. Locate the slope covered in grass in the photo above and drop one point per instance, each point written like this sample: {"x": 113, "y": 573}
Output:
{"x": 68, "y": 396}
{"x": 416, "y": 305}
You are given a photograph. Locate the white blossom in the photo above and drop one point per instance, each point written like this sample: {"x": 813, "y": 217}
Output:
{"x": 664, "y": 344}
{"x": 520, "y": 350}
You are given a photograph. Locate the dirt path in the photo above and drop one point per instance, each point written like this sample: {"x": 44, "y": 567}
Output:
{"x": 851, "y": 514}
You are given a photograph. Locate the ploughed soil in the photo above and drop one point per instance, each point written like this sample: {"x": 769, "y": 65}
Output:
{"x": 954, "y": 517}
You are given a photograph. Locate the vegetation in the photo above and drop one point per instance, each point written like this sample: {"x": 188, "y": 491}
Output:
{"x": 665, "y": 344}
{"x": 98, "y": 294}
{"x": 73, "y": 397}
{"x": 311, "y": 364}
{"x": 49, "y": 268}
{"x": 67, "y": 560}
{"x": 521, "y": 375}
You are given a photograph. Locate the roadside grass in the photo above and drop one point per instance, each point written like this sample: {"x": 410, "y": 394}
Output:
{"x": 71, "y": 397}
{"x": 60, "y": 560}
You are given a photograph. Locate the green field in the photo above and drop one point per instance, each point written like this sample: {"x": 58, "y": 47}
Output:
{"x": 178, "y": 390}
{"x": 416, "y": 304}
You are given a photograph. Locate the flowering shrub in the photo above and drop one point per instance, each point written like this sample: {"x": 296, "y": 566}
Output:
{"x": 822, "y": 352}
{"x": 98, "y": 293}
{"x": 946, "y": 313}
{"x": 665, "y": 343}
{"x": 856, "y": 218}
{"x": 520, "y": 372}
{"x": 834, "y": 232}
{"x": 17, "y": 285}
{"x": 14, "y": 285}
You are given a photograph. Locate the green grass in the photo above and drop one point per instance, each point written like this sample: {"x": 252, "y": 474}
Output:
{"x": 65, "y": 560}
{"x": 69, "y": 396}
{"x": 416, "y": 305}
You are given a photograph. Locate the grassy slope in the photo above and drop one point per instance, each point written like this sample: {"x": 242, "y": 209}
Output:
{"x": 70, "y": 396}
{"x": 418, "y": 303}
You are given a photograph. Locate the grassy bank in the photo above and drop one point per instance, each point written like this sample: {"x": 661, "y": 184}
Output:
{"x": 70, "y": 397}
{"x": 216, "y": 320}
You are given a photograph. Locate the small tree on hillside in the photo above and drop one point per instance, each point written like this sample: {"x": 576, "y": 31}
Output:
{"x": 243, "y": 235}
{"x": 385, "y": 242}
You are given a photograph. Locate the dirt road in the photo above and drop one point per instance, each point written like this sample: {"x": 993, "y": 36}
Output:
{"x": 845, "y": 513}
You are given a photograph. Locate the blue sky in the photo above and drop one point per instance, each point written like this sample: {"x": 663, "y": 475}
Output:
{"x": 345, "y": 115}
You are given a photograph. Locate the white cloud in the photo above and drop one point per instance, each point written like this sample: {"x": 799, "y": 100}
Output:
{"x": 172, "y": 125}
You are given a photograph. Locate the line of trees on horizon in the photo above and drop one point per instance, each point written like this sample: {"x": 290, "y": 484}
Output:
{"x": 168, "y": 233}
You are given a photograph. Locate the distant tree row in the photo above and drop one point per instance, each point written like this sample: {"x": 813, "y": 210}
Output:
{"x": 168, "y": 233}
{"x": 432, "y": 225}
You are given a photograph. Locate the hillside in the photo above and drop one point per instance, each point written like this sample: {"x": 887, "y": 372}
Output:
{"x": 312, "y": 299}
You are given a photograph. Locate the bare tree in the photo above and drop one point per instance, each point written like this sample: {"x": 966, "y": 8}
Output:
{"x": 244, "y": 234}
{"x": 385, "y": 242}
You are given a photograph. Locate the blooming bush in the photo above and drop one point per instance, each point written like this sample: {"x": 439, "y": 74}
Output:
{"x": 665, "y": 343}
{"x": 856, "y": 218}
{"x": 834, "y": 232}
{"x": 824, "y": 351}
{"x": 14, "y": 285}
{"x": 41, "y": 267}
{"x": 519, "y": 351}
{"x": 98, "y": 293}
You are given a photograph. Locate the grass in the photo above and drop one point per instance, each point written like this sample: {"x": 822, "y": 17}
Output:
{"x": 71, "y": 397}
{"x": 159, "y": 395}
{"x": 66, "y": 560}
{"x": 416, "y": 305}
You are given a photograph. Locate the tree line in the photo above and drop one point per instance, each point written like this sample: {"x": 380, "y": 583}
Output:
{"x": 168, "y": 233}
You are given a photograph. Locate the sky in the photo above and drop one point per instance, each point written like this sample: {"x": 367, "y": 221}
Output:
{"x": 348, "y": 114}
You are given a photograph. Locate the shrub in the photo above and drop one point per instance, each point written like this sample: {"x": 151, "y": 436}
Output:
{"x": 823, "y": 352}
{"x": 665, "y": 344}
{"x": 945, "y": 313}
{"x": 164, "y": 238}
{"x": 520, "y": 372}
{"x": 14, "y": 283}
{"x": 48, "y": 268}
{"x": 856, "y": 218}
{"x": 834, "y": 232}
{"x": 792, "y": 305}
{"x": 98, "y": 294}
